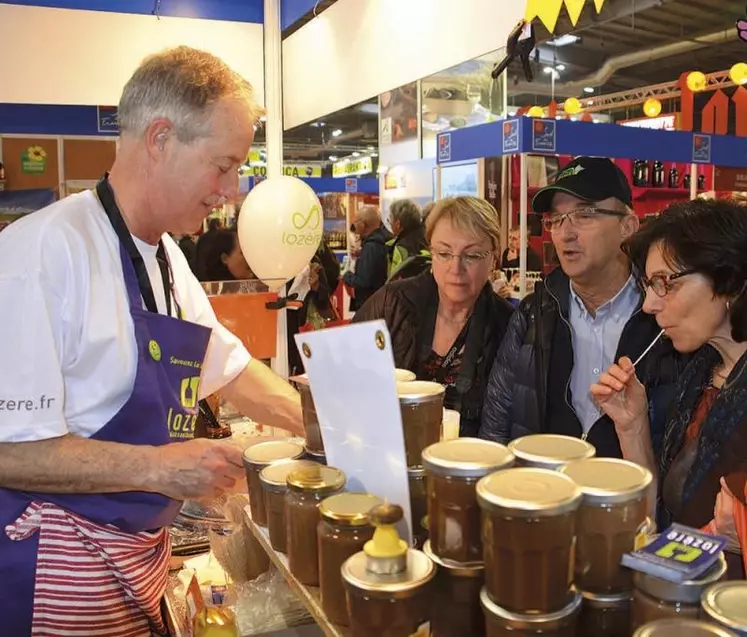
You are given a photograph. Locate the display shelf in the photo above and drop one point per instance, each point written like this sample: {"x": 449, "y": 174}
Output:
{"x": 664, "y": 193}
{"x": 308, "y": 595}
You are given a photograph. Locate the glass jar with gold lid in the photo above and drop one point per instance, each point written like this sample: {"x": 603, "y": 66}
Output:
{"x": 655, "y": 598}
{"x": 681, "y": 628}
{"x": 725, "y": 604}
{"x": 503, "y": 623}
{"x": 307, "y": 487}
{"x": 611, "y": 520}
{"x": 418, "y": 483}
{"x": 454, "y": 520}
{"x": 388, "y": 585}
{"x": 274, "y": 480}
{"x": 256, "y": 458}
{"x": 421, "y": 406}
{"x": 605, "y": 615}
{"x": 529, "y": 523}
{"x": 549, "y": 451}
{"x": 455, "y": 607}
{"x": 342, "y": 532}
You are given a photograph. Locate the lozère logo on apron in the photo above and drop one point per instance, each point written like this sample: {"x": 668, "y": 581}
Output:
{"x": 182, "y": 425}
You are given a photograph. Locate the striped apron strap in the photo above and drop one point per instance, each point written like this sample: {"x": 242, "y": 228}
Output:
{"x": 93, "y": 580}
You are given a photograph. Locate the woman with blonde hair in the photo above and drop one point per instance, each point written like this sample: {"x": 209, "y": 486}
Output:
{"x": 446, "y": 324}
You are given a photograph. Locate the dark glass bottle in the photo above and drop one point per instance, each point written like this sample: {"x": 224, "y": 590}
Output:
{"x": 658, "y": 176}
{"x": 674, "y": 177}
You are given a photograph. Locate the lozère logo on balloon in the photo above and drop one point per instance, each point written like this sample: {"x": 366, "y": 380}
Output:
{"x": 307, "y": 226}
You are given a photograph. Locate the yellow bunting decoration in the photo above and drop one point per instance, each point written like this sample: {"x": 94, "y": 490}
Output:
{"x": 697, "y": 82}
{"x": 536, "y": 111}
{"x": 652, "y": 107}
{"x": 548, "y": 11}
{"x": 738, "y": 73}
{"x": 572, "y": 106}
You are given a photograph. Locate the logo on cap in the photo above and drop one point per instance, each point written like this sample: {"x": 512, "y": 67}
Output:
{"x": 570, "y": 172}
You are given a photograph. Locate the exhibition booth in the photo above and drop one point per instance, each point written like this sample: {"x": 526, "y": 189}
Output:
{"x": 379, "y": 520}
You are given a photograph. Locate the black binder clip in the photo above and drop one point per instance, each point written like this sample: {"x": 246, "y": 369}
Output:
{"x": 520, "y": 44}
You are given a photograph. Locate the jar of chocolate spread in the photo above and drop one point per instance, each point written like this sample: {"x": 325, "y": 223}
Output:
{"x": 725, "y": 604}
{"x": 612, "y": 515}
{"x": 549, "y": 451}
{"x": 503, "y": 623}
{"x": 421, "y": 406}
{"x": 681, "y": 628}
{"x": 605, "y": 615}
{"x": 454, "y": 517}
{"x": 529, "y": 525}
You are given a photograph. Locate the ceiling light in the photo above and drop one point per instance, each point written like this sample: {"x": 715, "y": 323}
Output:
{"x": 333, "y": 158}
{"x": 356, "y": 154}
{"x": 589, "y": 90}
{"x": 336, "y": 133}
{"x": 564, "y": 40}
{"x": 560, "y": 67}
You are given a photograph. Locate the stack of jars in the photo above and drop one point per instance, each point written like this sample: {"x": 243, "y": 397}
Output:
{"x": 611, "y": 521}
{"x": 421, "y": 407}
{"x": 314, "y": 446}
{"x": 455, "y": 546}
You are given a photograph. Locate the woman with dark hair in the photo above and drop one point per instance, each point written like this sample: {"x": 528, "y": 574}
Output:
{"x": 219, "y": 258}
{"x": 693, "y": 260}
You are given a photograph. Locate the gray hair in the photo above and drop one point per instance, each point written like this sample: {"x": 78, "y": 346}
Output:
{"x": 181, "y": 85}
{"x": 370, "y": 214}
{"x": 407, "y": 213}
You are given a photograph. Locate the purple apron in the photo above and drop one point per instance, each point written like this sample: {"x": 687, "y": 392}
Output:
{"x": 161, "y": 409}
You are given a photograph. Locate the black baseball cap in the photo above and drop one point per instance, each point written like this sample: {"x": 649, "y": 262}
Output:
{"x": 588, "y": 178}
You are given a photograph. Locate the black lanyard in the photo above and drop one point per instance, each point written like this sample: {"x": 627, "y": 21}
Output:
{"x": 456, "y": 347}
{"x": 106, "y": 197}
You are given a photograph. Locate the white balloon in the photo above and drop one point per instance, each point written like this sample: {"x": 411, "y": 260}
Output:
{"x": 280, "y": 228}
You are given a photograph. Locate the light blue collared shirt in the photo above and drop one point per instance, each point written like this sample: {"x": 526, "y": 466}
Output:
{"x": 595, "y": 340}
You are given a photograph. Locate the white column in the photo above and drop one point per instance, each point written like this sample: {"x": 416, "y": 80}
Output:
{"x": 274, "y": 137}
{"x": 524, "y": 234}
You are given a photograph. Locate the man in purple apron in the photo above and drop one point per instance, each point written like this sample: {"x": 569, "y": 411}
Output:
{"x": 112, "y": 345}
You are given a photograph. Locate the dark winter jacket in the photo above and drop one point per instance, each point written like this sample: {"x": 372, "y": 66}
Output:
{"x": 409, "y": 309}
{"x": 371, "y": 268}
{"x": 528, "y": 391}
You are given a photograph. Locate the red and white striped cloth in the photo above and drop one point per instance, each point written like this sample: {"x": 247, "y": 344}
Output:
{"x": 93, "y": 580}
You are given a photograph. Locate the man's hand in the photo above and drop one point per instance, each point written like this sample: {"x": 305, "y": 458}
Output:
{"x": 194, "y": 469}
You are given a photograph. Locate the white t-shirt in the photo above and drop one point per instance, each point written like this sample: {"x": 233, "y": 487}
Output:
{"x": 68, "y": 355}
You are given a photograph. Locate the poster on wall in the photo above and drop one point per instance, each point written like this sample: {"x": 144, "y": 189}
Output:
{"x": 107, "y": 119}
{"x": 459, "y": 180}
{"x": 34, "y": 160}
{"x": 493, "y": 178}
{"x": 399, "y": 114}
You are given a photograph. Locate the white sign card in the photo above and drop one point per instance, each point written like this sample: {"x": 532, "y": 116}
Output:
{"x": 351, "y": 374}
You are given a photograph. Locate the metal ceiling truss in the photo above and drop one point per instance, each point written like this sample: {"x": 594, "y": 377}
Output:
{"x": 665, "y": 91}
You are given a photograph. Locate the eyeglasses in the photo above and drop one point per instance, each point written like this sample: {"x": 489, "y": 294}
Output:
{"x": 468, "y": 259}
{"x": 663, "y": 284}
{"x": 579, "y": 218}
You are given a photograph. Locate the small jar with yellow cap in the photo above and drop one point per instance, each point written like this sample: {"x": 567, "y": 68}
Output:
{"x": 307, "y": 487}
{"x": 388, "y": 586}
{"x": 344, "y": 530}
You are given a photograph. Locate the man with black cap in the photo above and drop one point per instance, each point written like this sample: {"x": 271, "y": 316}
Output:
{"x": 584, "y": 316}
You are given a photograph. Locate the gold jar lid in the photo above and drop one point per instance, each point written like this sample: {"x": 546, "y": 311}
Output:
{"x": 349, "y": 509}
{"x": 454, "y": 569}
{"x": 316, "y": 478}
{"x": 535, "y": 622}
{"x": 274, "y": 477}
{"x": 608, "y": 480}
{"x": 419, "y": 571}
{"x": 404, "y": 375}
{"x": 419, "y": 391}
{"x": 550, "y": 451}
{"x": 466, "y": 458}
{"x": 528, "y": 492}
{"x": 264, "y": 453}
{"x": 726, "y": 604}
{"x": 681, "y": 628}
